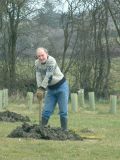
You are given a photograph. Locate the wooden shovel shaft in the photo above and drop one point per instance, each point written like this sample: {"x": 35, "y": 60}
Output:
{"x": 40, "y": 111}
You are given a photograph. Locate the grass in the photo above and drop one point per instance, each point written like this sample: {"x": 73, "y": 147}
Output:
{"x": 105, "y": 125}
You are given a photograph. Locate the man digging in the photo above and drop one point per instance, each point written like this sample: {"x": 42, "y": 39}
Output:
{"x": 49, "y": 77}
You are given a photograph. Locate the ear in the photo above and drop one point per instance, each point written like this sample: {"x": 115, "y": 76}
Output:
{"x": 35, "y": 57}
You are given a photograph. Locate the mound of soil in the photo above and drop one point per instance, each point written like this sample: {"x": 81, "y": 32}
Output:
{"x": 48, "y": 133}
{"x": 13, "y": 117}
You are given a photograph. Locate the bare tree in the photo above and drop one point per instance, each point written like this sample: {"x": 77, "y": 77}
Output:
{"x": 91, "y": 51}
{"x": 114, "y": 7}
{"x": 13, "y": 13}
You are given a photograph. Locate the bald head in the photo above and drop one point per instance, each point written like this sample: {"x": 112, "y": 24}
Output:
{"x": 42, "y": 54}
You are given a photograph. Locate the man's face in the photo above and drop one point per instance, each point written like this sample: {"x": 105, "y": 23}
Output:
{"x": 42, "y": 55}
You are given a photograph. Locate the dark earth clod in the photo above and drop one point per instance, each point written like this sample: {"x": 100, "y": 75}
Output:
{"x": 47, "y": 133}
{"x": 13, "y": 117}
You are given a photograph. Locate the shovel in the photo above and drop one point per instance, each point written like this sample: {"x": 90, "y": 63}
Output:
{"x": 40, "y": 110}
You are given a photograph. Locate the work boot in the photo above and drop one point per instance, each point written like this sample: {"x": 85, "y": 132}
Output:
{"x": 63, "y": 122}
{"x": 44, "y": 121}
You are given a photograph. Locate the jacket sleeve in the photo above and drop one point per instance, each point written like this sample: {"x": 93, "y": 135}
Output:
{"x": 38, "y": 75}
{"x": 51, "y": 66}
{"x": 38, "y": 79}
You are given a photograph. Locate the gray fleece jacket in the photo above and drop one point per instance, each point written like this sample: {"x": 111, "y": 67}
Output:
{"x": 48, "y": 74}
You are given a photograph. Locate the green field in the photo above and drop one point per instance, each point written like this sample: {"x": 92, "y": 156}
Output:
{"x": 104, "y": 145}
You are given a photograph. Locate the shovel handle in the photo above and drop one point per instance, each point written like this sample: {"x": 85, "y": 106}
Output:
{"x": 40, "y": 111}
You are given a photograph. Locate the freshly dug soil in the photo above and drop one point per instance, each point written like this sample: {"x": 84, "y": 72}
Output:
{"x": 13, "y": 117}
{"x": 48, "y": 133}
